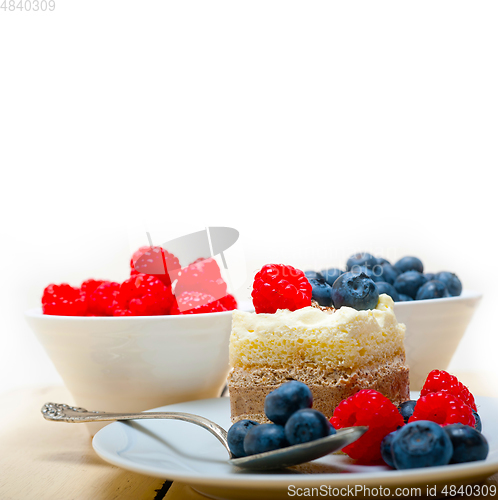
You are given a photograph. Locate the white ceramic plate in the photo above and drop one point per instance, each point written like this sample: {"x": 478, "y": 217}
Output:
{"x": 187, "y": 453}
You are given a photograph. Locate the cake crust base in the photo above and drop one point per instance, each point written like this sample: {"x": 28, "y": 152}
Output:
{"x": 249, "y": 387}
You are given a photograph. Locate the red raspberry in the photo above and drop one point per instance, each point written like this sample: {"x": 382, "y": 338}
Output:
{"x": 208, "y": 264}
{"x": 278, "y": 286}
{"x": 203, "y": 275}
{"x": 102, "y": 301}
{"x": 156, "y": 262}
{"x": 143, "y": 295}
{"x": 228, "y": 302}
{"x": 370, "y": 408}
{"x": 441, "y": 381}
{"x": 89, "y": 286}
{"x": 63, "y": 300}
{"x": 137, "y": 254}
{"x": 196, "y": 303}
{"x": 122, "y": 312}
{"x": 442, "y": 408}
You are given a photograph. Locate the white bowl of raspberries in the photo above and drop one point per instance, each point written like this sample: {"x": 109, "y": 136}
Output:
{"x": 435, "y": 307}
{"x": 160, "y": 337}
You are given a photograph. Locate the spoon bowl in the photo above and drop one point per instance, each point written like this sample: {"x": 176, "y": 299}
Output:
{"x": 301, "y": 453}
{"x": 276, "y": 459}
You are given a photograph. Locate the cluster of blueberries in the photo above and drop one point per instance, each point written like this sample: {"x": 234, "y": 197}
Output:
{"x": 417, "y": 444}
{"x": 294, "y": 422}
{"x": 366, "y": 277}
{"x": 427, "y": 444}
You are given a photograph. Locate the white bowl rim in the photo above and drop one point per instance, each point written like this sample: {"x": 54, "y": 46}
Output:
{"x": 466, "y": 294}
{"x": 37, "y": 313}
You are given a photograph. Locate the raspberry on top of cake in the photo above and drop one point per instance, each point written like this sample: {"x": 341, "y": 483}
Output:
{"x": 336, "y": 352}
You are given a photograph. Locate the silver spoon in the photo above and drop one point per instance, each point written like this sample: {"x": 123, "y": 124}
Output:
{"x": 284, "y": 457}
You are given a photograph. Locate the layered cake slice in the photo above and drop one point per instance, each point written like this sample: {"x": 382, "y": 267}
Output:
{"x": 335, "y": 352}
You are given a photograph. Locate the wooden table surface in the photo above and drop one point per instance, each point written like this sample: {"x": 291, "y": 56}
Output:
{"x": 54, "y": 461}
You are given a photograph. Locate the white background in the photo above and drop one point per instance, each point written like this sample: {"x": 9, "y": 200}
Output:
{"x": 316, "y": 129}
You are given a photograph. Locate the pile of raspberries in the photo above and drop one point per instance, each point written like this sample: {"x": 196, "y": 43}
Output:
{"x": 443, "y": 400}
{"x": 157, "y": 285}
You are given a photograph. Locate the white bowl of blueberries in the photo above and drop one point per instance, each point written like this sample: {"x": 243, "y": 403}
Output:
{"x": 433, "y": 306}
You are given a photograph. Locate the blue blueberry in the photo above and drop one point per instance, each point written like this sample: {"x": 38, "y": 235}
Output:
{"x": 409, "y": 264}
{"x": 389, "y": 273}
{"x": 356, "y": 269}
{"x": 331, "y": 429}
{"x": 264, "y": 437}
{"x": 381, "y": 261}
{"x": 421, "y": 444}
{"x": 361, "y": 259}
{"x": 406, "y": 409}
{"x": 404, "y": 298}
{"x": 429, "y": 276}
{"x": 376, "y": 273}
{"x": 386, "y": 450}
{"x": 409, "y": 282}
{"x": 321, "y": 291}
{"x": 236, "y": 435}
{"x": 453, "y": 284}
{"x": 433, "y": 289}
{"x": 478, "y": 424}
{"x": 281, "y": 403}
{"x": 355, "y": 290}
{"x": 469, "y": 445}
{"x": 306, "y": 425}
{"x": 384, "y": 287}
{"x": 330, "y": 275}
{"x": 313, "y": 275}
